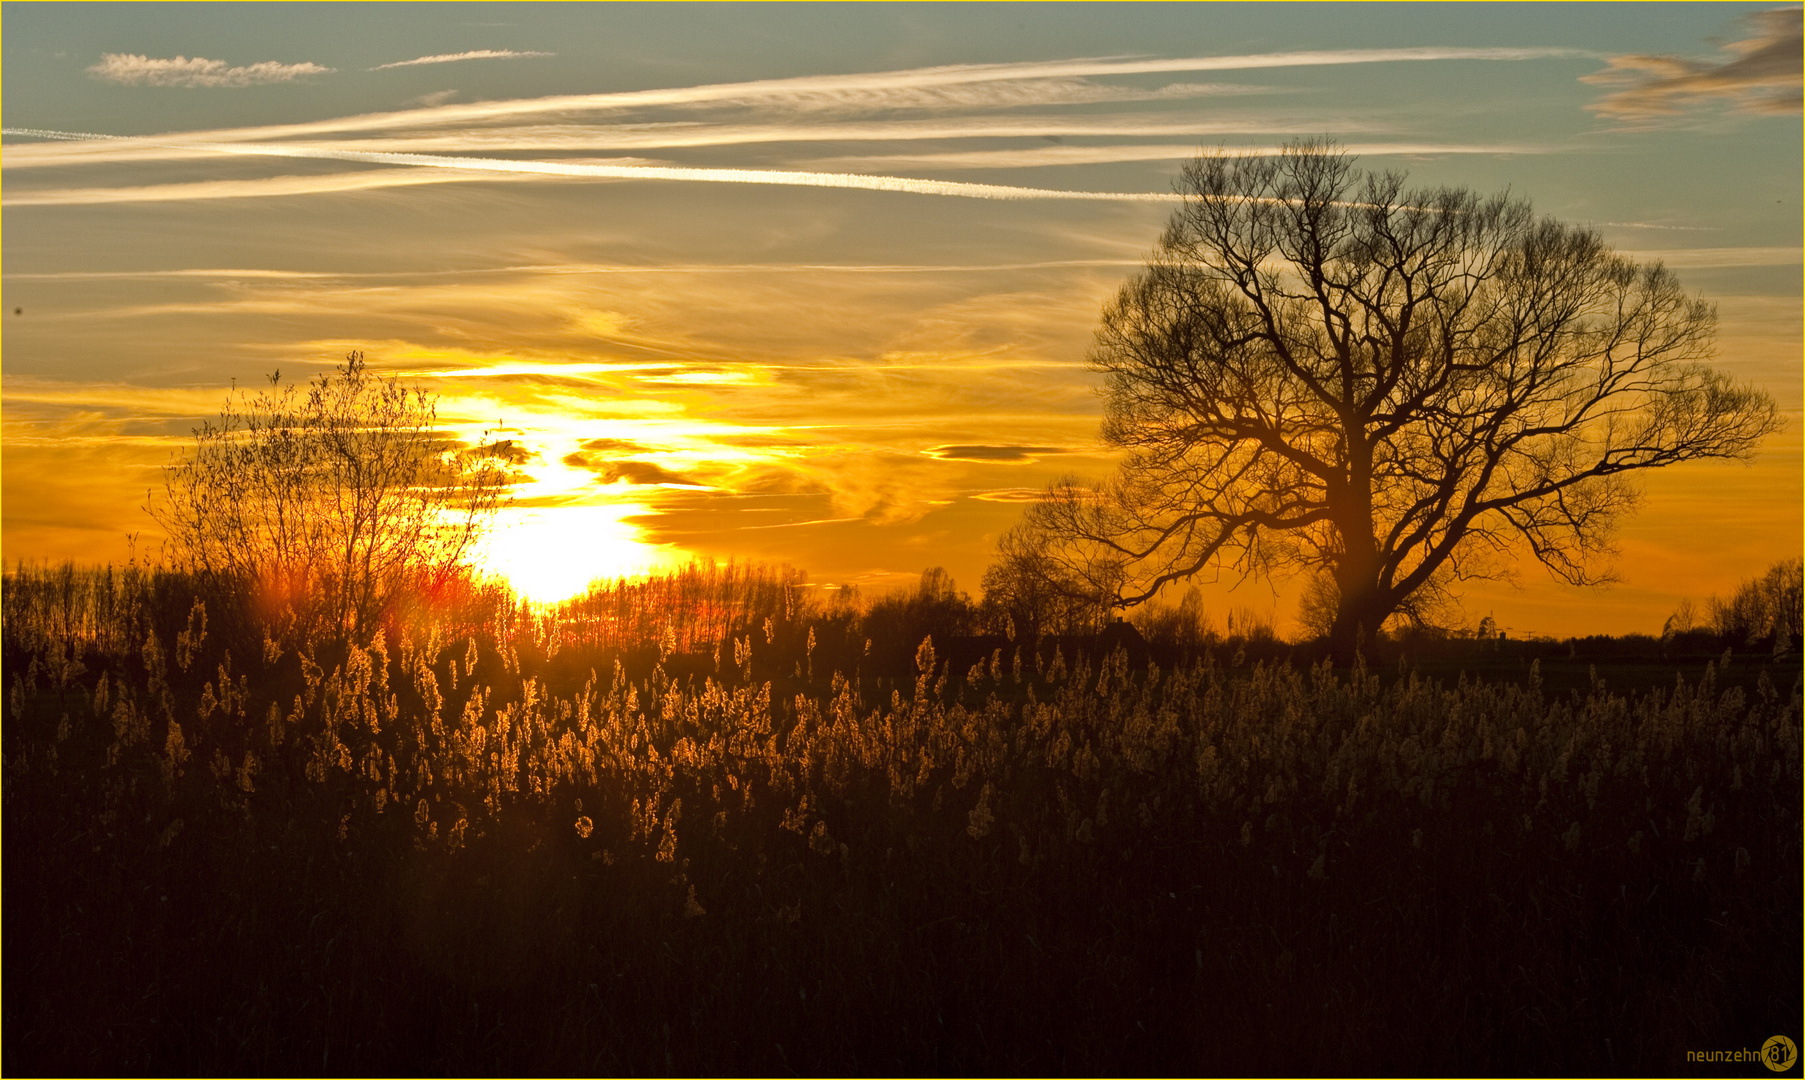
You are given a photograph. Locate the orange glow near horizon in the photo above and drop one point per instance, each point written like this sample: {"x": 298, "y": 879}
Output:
{"x": 549, "y": 554}
{"x": 569, "y": 523}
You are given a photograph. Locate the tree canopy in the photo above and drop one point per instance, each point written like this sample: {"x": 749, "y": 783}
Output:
{"x": 1321, "y": 371}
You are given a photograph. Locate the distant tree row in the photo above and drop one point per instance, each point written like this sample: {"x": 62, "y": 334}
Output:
{"x": 1763, "y": 610}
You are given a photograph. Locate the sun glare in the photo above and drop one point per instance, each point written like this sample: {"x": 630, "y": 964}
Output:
{"x": 548, "y": 554}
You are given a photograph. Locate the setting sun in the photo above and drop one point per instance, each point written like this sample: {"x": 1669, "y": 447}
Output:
{"x": 552, "y": 554}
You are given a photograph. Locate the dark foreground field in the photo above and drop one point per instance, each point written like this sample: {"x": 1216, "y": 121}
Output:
{"x": 459, "y": 851}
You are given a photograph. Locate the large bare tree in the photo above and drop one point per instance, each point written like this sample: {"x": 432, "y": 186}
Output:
{"x": 329, "y": 503}
{"x": 1391, "y": 390}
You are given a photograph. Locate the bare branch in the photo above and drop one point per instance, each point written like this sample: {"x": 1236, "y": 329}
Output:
{"x": 1319, "y": 370}
{"x": 328, "y": 504}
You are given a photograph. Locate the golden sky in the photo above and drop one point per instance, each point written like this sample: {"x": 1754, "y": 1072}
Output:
{"x": 809, "y": 284}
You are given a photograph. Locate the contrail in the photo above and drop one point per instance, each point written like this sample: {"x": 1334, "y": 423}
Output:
{"x": 827, "y": 86}
{"x": 452, "y": 58}
{"x": 507, "y": 166}
{"x": 859, "y": 181}
{"x": 660, "y": 136}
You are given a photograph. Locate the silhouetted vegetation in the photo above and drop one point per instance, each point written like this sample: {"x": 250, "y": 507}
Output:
{"x": 698, "y": 824}
{"x": 1387, "y": 391}
{"x": 319, "y": 512}
{"x": 1762, "y": 610}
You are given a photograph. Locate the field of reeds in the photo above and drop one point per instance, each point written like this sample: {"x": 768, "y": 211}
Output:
{"x": 718, "y": 824}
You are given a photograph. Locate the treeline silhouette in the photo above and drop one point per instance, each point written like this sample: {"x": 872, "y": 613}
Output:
{"x": 727, "y": 821}
{"x": 687, "y": 619}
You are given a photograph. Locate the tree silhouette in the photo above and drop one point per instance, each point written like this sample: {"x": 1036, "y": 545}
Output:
{"x": 1321, "y": 371}
{"x": 329, "y": 505}
{"x": 1030, "y": 591}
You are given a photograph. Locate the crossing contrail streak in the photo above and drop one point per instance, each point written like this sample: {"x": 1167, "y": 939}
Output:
{"x": 857, "y": 181}
{"x": 830, "y": 87}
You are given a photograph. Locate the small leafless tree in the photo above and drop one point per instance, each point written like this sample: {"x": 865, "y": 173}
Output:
{"x": 329, "y": 503}
{"x": 1322, "y": 371}
{"x": 1030, "y": 589}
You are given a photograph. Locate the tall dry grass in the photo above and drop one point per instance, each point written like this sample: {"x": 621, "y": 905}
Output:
{"x": 605, "y": 838}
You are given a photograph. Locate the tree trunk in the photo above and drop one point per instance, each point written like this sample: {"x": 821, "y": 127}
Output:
{"x": 1363, "y": 605}
{"x": 1358, "y": 618}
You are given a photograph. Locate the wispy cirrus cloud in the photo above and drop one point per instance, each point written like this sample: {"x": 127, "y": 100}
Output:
{"x": 43, "y": 409}
{"x": 133, "y": 69}
{"x": 1043, "y": 156}
{"x": 642, "y": 473}
{"x": 437, "y": 142}
{"x": 1721, "y": 257}
{"x": 1762, "y": 75}
{"x": 993, "y": 454}
{"x": 583, "y": 269}
{"x": 990, "y": 94}
{"x": 476, "y": 140}
{"x": 436, "y": 98}
{"x": 857, "y": 88}
{"x": 615, "y": 446}
{"x": 453, "y": 58}
{"x": 258, "y": 188}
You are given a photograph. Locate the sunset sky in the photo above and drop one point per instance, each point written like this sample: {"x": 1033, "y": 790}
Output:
{"x": 811, "y": 284}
